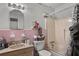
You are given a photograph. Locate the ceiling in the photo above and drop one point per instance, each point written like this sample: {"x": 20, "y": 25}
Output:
{"x": 59, "y": 9}
{"x": 54, "y": 5}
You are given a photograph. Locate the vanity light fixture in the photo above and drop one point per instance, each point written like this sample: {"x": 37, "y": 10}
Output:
{"x": 16, "y": 6}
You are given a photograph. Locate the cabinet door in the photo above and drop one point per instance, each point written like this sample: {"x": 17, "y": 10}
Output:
{"x": 62, "y": 35}
{"x": 50, "y": 27}
{"x": 21, "y": 52}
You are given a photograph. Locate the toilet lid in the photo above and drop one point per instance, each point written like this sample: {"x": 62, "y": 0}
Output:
{"x": 44, "y": 53}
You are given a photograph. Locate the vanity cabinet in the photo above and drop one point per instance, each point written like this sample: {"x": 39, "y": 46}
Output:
{"x": 19, "y": 52}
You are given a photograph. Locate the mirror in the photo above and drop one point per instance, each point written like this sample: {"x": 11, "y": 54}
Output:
{"x": 16, "y": 19}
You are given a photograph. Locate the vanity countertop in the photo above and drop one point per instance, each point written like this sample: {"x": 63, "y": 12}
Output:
{"x": 9, "y": 49}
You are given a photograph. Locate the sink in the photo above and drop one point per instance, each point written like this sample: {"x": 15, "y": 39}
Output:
{"x": 17, "y": 45}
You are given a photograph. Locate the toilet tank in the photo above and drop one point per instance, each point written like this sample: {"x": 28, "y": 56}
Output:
{"x": 39, "y": 45}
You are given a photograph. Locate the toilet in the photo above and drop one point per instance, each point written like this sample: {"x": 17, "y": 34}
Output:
{"x": 39, "y": 46}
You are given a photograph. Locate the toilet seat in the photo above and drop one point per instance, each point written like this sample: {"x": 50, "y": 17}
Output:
{"x": 44, "y": 53}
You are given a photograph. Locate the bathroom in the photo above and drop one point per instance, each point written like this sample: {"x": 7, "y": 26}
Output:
{"x": 17, "y": 21}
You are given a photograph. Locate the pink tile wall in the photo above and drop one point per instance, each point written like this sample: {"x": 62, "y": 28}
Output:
{"x": 7, "y": 33}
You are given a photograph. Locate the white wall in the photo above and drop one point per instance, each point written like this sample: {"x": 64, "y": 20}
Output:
{"x": 4, "y": 16}
{"x": 32, "y": 12}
